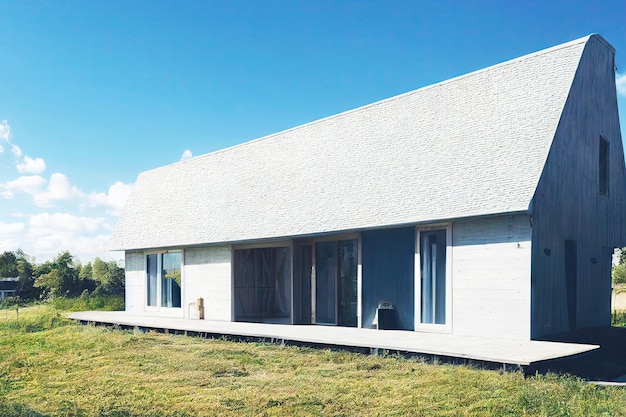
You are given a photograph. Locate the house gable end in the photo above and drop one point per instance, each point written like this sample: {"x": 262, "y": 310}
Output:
{"x": 571, "y": 205}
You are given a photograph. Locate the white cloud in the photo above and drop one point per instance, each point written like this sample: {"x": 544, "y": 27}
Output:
{"x": 31, "y": 166}
{"x": 26, "y": 165}
{"x": 64, "y": 222}
{"x": 51, "y": 233}
{"x": 5, "y": 130}
{"x": 5, "y": 133}
{"x": 7, "y": 229}
{"x": 45, "y": 235}
{"x": 29, "y": 184}
{"x": 620, "y": 83}
{"x": 59, "y": 188}
{"x": 16, "y": 150}
{"x": 186, "y": 155}
{"x": 115, "y": 198}
{"x": 10, "y": 235}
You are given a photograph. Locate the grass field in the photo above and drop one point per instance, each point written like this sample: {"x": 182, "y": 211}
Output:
{"x": 51, "y": 367}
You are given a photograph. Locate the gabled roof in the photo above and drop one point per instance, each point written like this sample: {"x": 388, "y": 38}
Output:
{"x": 473, "y": 145}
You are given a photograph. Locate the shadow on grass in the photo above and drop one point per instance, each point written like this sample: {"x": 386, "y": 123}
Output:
{"x": 12, "y": 409}
{"x": 604, "y": 364}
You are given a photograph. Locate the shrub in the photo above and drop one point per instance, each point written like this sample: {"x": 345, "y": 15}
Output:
{"x": 619, "y": 274}
{"x": 619, "y": 318}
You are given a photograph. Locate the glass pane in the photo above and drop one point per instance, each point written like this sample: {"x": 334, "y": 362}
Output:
{"x": 282, "y": 288}
{"x": 348, "y": 264}
{"x": 433, "y": 276}
{"x": 246, "y": 305}
{"x": 302, "y": 304}
{"x": 170, "y": 280}
{"x": 262, "y": 280}
{"x": 152, "y": 280}
{"x": 325, "y": 290}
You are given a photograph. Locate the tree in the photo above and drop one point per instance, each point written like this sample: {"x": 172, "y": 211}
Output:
{"x": 86, "y": 271}
{"x": 59, "y": 277}
{"x": 27, "y": 291}
{"x": 63, "y": 276}
{"x": 49, "y": 283}
{"x": 108, "y": 276}
{"x": 619, "y": 274}
{"x": 619, "y": 271}
{"x": 622, "y": 256}
{"x": 8, "y": 265}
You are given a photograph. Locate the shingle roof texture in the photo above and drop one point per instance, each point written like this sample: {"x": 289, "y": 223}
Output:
{"x": 473, "y": 145}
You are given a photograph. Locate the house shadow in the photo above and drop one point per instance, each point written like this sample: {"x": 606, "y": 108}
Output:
{"x": 10, "y": 409}
{"x": 608, "y": 363}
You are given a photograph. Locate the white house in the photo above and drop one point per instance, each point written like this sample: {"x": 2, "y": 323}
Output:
{"x": 487, "y": 205}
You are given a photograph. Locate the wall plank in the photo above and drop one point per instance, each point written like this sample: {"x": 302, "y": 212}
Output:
{"x": 491, "y": 278}
{"x": 207, "y": 274}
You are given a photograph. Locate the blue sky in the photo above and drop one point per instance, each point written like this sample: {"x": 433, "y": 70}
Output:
{"x": 92, "y": 93}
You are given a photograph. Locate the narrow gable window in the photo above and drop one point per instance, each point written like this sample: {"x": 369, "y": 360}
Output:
{"x": 603, "y": 166}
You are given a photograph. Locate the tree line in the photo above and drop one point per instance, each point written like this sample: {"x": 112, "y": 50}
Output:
{"x": 64, "y": 276}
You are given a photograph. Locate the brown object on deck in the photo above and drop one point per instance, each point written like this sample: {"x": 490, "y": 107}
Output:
{"x": 200, "y": 305}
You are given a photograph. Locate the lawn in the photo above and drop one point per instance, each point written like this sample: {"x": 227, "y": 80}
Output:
{"x": 52, "y": 367}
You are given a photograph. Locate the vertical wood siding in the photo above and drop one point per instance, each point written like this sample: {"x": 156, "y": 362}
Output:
{"x": 491, "y": 261}
{"x": 135, "y": 282}
{"x": 207, "y": 274}
{"x": 568, "y": 205}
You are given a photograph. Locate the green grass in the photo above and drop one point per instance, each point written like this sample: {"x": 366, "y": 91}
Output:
{"x": 52, "y": 367}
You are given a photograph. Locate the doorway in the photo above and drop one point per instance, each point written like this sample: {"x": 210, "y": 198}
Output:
{"x": 331, "y": 268}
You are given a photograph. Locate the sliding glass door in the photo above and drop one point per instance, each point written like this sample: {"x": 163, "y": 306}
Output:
{"x": 433, "y": 284}
{"x": 163, "y": 280}
{"x": 336, "y": 266}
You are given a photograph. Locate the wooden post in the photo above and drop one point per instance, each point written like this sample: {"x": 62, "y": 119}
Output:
{"x": 200, "y": 304}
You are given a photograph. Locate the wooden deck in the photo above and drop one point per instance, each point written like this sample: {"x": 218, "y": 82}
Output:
{"x": 521, "y": 353}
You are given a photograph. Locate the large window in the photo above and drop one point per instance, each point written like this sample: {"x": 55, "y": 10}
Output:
{"x": 163, "y": 280}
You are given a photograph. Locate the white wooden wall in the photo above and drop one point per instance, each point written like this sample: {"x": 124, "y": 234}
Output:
{"x": 491, "y": 277}
{"x": 207, "y": 274}
{"x": 135, "y": 282}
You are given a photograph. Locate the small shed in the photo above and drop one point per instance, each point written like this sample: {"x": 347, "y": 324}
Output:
{"x": 8, "y": 287}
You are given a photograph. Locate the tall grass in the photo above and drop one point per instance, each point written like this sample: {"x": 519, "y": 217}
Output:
{"x": 89, "y": 302}
{"x": 51, "y": 367}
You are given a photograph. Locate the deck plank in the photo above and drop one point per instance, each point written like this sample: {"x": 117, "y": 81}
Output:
{"x": 515, "y": 352}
